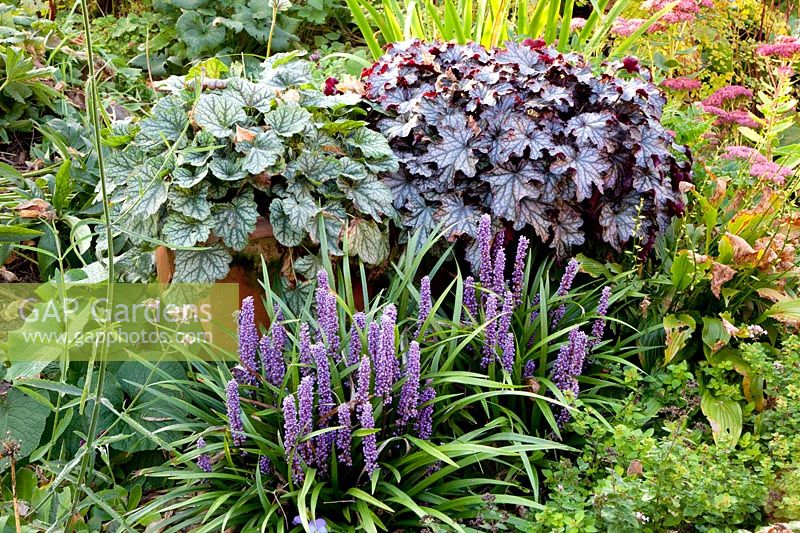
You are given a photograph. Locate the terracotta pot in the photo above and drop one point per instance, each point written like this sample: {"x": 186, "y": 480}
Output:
{"x": 262, "y": 243}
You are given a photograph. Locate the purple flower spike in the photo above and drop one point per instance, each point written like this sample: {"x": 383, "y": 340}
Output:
{"x": 204, "y": 461}
{"x": 305, "y": 417}
{"x": 369, "y": 442}
{"x": 568, "y": 366}
{"x": 409, "y": 394}
{"x": 344, "y": 436}
{"x": 529, "y": 370}
{"x": 519, "y": 269}
{"x": 248, "y": 338}
{"x": 505, "y": 337}
{"x": 272, "y": 360}
{"x": 599, "y": 326}
{"x": 291, "y": 429}
{"x": 359, "y": 324}
{"x": 264, "y": 465}
{"x": 563, "y": 288}
{"x": 324, "y": 441}
{"x": 306, "y": 358}
{"x": 424, "y": 423}
{"x": 499, "y": 276}
{"x": 374, "y": 342}
{"x": 470, "y": 301}
{"x": 485, "y": 247}
{"x": 490, "y": 333}
{"x": 278, "y": 332}
{"x": 364, "y": 375}
{"x": 327, "y": 317}
{"x": 425, "y": 304}
{"x": 234, "y": 412}
{"x": 387, "y": 367}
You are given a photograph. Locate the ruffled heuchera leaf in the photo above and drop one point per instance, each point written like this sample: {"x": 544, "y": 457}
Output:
{"x": 588, "y": 168}
{"x": 371, "y": 143}
{"x": 300, "y": 209}
{"x": 180, "y": 230}
{"x": 314, "y": 166}
{"x": 367, "y": 241}
{"x": 227, "y": 168}
{"x": 148, "y": 197}
{"x": 192, "y": 203}
{"x": 455, "y": 151}
{"x": 234, "y": 222}
{"x": 509, "y": 185}
{"x": 188, "y": 178}
{"x": 566, "y": 231}
{"x": 288, "y": 120}
{"x": 218, "y": 114}
{"x": 619, "y": 221}
{"x": 529, "y": 135}
{"x": 202, "y": 266}
{"x": 334, "y": 217}
{"x": 254, "y": 95}
{"x": 372, "y": 198}
{"x": 285, "y": 232}
{"x": 260, "y": 153}
{"x": 167, "y": 122}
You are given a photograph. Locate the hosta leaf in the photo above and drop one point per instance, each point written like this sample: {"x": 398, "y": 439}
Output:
{"x": 619, "y": 221}
{"x": 218, "y": 114}
{"x": 371, "y": 197}
{"x": 567, "y": 232}
{"x": 202, "y": 266}
{"x": 725, "y": 418}
{"x": 191, "y": 202}
{"x": 588, "y": 167}
{"x": 509, "y": 185}
{"x": 167, "y": 121}
{"x": 285, "y": 232}
{"x": 227, "y": 168}
{"x": 367, "y": 241}
{"x": 179, "y": 230}
{"x": 200, "y": 36}
{"x": 261, "y": 153}
{"x": 300, "y": 209}
{"x": 315, "y": 167}
{"x": 288, "y": 120}
{"x": 248, "y": 94}
{"x": 371, "y": 143}
{"x": 234, "y": 222}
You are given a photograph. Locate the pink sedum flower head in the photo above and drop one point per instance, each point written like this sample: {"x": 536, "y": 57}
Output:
{"x": 681, "y": 84}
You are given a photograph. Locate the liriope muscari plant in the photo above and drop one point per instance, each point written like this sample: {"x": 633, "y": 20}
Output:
{"x": 318, "y": 402}
{"x": 495, "y": 304}
{"x": 282, "y": 144}
{"x": 529, "y": 135}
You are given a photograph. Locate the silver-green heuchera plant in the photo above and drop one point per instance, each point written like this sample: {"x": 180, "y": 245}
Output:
{"x": 214, "y": 154}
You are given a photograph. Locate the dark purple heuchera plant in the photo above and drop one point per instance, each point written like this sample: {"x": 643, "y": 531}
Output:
{"x": 345, "y": 385}
{"x": 530, "y": 135}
